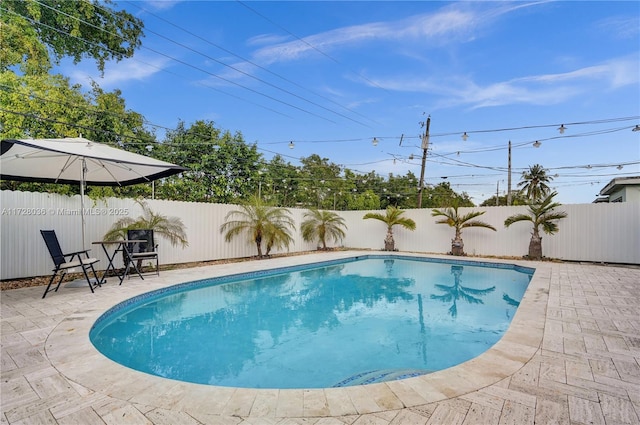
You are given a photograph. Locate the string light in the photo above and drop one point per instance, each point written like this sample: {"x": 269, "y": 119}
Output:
{"x": 562, "y": 128}
{"x": 465, "y": 136}
{"x": 536, "y": 144}
{"x": 374, "y": 142}
{"x": 291, "y": 145}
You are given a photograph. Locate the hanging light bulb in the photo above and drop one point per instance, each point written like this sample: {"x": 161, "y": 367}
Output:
{"x": 636, "y": 128}
{"x": 374, "y": 142}
{"x": 619, "y": 167}
{"x": 465, "y": 136}
{"x": 291, "y": 145}
{"x": 411, "y": 157}
{"x": 562, "y": 128}
{"x": 458, "y": 153}
{"x": 536, "y": 144}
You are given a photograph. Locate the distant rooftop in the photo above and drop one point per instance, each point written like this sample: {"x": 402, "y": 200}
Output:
{"x": 617, "y": 183}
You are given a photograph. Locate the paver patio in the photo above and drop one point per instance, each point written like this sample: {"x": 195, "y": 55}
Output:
{"x": 570, "y": 356}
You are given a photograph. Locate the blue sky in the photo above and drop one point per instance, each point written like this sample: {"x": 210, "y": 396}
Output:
{"x": 332, "y": 76}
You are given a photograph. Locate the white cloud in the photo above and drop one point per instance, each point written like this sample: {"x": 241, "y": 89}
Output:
{"x": 536, "y": 89}
{"x": 162, "y": 4}
{"x": 266, "y": 39}
{"x": 445, "y": 25}
{"x": 621, "y": 27}
{"x": 117, "y": 73}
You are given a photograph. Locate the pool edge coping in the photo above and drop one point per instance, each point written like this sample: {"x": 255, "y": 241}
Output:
{"x": 70, "y": 351}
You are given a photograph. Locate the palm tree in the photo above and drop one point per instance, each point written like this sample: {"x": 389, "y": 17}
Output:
{"x": 260, "y": 222}
{"x": 458, "y": 292}
{"x": 170, "y": 228}
{"x": 452, "y": 218}
{"x": 534, "y": 182}
{"x": 277, "y": 235}
{"x": 541, "y": 213}
{"x": 392, "y": 218}
{"x": 320, "y": 225}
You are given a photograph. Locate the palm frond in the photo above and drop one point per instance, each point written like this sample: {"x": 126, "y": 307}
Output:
{"x": 393, "y": 218}
{"x": 170, "y": 228}
{"x": 516, "y": 218}
{"x": 478, "y": 223}
{"x": 478, "y": 291}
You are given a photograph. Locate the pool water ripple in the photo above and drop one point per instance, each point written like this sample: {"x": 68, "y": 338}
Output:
{"x": 345, "y": 322}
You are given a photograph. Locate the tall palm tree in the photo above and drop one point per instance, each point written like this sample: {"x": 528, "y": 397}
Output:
{"x": 320, "y": 225}
{"x": 534, "y": 182}
{"x": 260, "y": 222}
{"x": 452, "y": 218}
{"x": 541, "y": 214}
{"x": 391, "y": 218}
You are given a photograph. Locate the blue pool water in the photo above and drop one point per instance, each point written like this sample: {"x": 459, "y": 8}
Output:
{"x": 341, "y": 323}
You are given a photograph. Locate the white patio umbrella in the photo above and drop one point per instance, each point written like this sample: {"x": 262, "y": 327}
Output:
{"x": 78, "y": 161}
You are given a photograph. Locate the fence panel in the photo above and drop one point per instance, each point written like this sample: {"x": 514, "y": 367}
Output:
{"x": 591, "y": 232}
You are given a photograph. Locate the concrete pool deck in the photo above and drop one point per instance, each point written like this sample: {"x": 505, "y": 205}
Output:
{"x": 570, "y": 356}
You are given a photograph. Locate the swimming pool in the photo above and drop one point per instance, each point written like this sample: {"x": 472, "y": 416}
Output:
{"x": 345, "y": 322}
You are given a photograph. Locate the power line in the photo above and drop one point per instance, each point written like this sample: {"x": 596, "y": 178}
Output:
{"x": 181, "y": 62}
{"x": 528, "y": 127}
{"x": 309, "y": 44}
{"x": 454, "y": 162}
{"x": 184, "y": 46}
{"x": 249, "y": 61}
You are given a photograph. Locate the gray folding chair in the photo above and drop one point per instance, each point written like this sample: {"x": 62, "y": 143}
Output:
{"x": 140, "y": 251}
{"x": 62, "y": 264}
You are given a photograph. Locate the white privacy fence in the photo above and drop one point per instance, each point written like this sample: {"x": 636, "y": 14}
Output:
{"x": 591, "y": 232}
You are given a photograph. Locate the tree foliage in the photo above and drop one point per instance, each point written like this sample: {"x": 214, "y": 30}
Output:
{"x": 442, "y": 196}
{"x": 222, "y": 167}
{"x": 517, "y": 198}
{"x": 534, "y": 183}
{"x": 37, "y": 34}
{"x": 48, "y": 106}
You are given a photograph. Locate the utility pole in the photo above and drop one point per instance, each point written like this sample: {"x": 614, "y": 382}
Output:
{"x": 509, "y": 178}
{"x": 498, "y": 193}
{"x": 425, "y": 146}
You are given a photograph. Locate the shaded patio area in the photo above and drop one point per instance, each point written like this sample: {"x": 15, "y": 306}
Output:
{"x": 570, "y": 356}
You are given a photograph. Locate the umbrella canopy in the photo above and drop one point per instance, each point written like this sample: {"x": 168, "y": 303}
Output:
{"x": 78, "y": 161}
{"x": 75, "y": 160}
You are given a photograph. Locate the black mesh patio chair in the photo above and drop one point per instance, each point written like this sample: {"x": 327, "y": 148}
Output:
{"x": 140, "y": 251}
{"x": 65, "y": 262}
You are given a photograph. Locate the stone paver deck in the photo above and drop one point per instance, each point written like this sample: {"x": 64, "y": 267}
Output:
{"x": 570, "y": 356}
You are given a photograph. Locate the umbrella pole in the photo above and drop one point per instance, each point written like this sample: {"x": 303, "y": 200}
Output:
{"x": 82, "y": 181}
